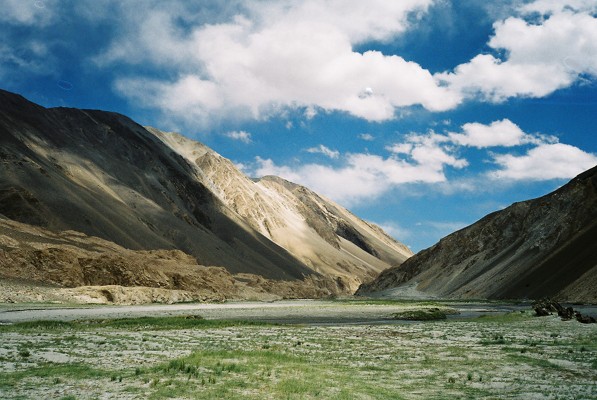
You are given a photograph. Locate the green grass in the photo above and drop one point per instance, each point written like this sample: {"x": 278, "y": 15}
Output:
{"x": 257, "y": 374}
{"x": 423, "y": 314}
{"x": 500, "y": 356}
{"x": 52, "y": 373}
{"x": 141, "y": 323}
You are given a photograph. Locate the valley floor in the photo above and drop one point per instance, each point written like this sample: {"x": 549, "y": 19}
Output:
{"x": 349, "y": 351}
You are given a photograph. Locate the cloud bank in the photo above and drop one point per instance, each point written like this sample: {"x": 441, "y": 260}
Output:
{"x": 200, "y": 62}
{"x": 426, "y": 158}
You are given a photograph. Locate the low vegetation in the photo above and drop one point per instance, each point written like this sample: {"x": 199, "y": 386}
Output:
{"x": 514, "y": 356}
{"x": 424, "y": 314}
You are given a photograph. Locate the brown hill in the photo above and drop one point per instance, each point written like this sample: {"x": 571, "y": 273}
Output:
{"x": 536, "y": 248}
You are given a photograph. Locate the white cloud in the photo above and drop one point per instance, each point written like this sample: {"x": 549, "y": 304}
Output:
{"x": 429, "y": 149}
{"x": 241, "y": 136}
{"x": 27, "y": 12}
{"x": 499, "y": 133}
{"x": 282, "y": 54}
{"x": 555, "y": 6}
{"x": 539, "y": 57}
{"x": 367, "y": 137}
{"x": 362, "y": 176}
{"x": 544, "y": 162}
{"x": 321, "y": 149}
{"x": 424, "y": 159}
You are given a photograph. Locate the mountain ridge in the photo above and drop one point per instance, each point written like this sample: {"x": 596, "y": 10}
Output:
{"x": 531, "y": 249}
{"x": 105, "y": 175}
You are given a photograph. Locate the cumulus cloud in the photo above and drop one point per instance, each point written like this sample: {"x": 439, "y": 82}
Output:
{"x": 366, "y": 137}
{"x": 365, "y": 176}
{"x": 241, "y": 136}
{"x": 499, "y": 133}
{"x": 424, "y": 158}
{"x": 282, "y": 54}
{"x": 544, "y": 162}
{"x": 539, "y": 57}
{"x": 326, "y": 151}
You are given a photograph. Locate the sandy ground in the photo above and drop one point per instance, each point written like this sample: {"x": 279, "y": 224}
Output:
{"x": 319, "y": 312}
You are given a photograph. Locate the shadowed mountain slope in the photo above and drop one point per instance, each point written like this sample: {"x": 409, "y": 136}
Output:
{"x": 536, "y": 248}
{"x": 102, "y": 174}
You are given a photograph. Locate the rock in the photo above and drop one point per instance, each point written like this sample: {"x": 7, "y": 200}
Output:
{"x": 584, "y": 319}
{"x": 548, "y": 306}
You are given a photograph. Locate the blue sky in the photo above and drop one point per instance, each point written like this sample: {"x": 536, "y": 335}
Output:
{"x": 419, "y": 115}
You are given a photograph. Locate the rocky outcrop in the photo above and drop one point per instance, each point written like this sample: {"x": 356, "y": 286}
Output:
{"x": 547, "y": 306}
{"x": 536, "y": 248}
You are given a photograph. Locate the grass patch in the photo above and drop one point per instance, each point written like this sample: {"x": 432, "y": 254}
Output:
{"x": 141, "y": 323}
{"x": 259, "y": 374}
{"x": 52, "y": 373}
{"x": 37, "y": 326}
{"x": 423, "y": 314}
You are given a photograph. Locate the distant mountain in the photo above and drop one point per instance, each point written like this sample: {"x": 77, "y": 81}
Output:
{"x": 536, "y": 248}
{"x": 102, "y": 174}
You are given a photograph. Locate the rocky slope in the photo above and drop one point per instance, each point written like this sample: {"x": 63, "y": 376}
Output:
{"x": 104, "y": 175}
{"x": 40, "y": 265}
{"x": 536, "y": 248}
{"x": 320, "y": 233}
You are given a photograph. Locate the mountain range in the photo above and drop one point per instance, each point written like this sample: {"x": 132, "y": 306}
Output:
{"x": 103, "y": 175}
{"x": 92, "y": 199}
{"x": 532, "y": 249}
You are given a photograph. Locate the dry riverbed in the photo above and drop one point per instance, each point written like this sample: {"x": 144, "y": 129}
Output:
{"x": 340, "y": 350}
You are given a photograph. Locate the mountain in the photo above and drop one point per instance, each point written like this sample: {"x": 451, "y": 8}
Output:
{"x": 320, "y": 233}
{"x": 68, "y": 266}
{"x": 536, "y": 248}
{"x": 104, "y": 175}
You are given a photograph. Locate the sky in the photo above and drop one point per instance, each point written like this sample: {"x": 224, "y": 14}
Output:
{"x": 421, "y": 116}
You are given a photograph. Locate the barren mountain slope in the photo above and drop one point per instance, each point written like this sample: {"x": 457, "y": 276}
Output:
{"x": 40, "y": 265}
{"x": 320, "y": 233}
{"x": 541, "y": 247}
{"x": 102, "y": 174}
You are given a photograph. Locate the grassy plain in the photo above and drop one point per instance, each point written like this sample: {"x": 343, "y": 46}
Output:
{"x": 513, "y": 356}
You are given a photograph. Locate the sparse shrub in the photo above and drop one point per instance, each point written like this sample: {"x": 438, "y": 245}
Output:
{"x": 24, "y": 353}
{"x": 424, "y": 314}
